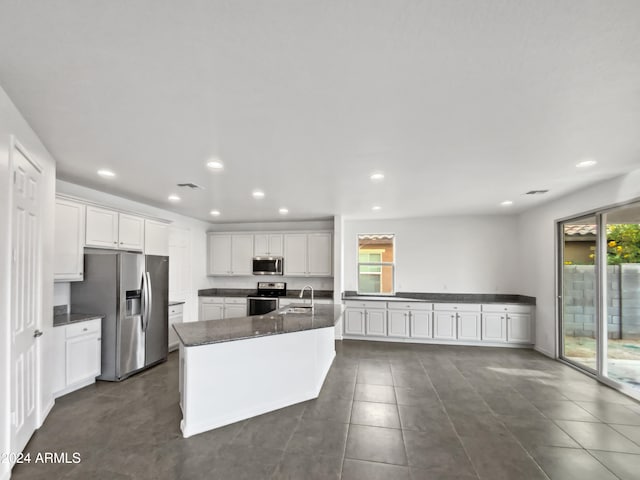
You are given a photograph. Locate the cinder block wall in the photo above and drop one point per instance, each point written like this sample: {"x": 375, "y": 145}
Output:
{"x": 623, "y": 300}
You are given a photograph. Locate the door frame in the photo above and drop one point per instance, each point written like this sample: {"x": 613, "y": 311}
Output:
{"x": 16, "y": 146}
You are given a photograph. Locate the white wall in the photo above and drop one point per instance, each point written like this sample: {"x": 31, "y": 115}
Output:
{"x": 444, "y": 254}
{"x": 538, "y": 247}
{"x": 12, "y": 123}
{"x": 196, "y": 228}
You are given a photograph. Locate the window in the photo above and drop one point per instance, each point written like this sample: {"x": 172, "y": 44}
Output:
{"x": 376, "y": 264}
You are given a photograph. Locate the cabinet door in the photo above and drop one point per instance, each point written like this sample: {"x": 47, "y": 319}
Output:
{"x": 82, "y": 358}
{"x": 468, "y": 326}
{"x": 219, "y": 253}
{"x": 494, "y": 327}
{"x": 421, "y": 324}
{"x": 319, "y": 254}
{"x": 156, "y": 238}
{"x": 398, "y": 323}
{"x": 519, "y": 327}
{"x": 130, "y": 232}
{"x": 68, "y": 261}
{"x": 102, "y": 228}
{"x": 241, "y": 254}
{"x": 235, "y": 311}
{"x": 354, "y": 321}
{"x": 261, "y": 245}
{"x": 211, "y": 311}
{"x": 276, "y": 245}
{"x": 173, "y": 336}
{"x": 295, "y": 254}
{"x": 444, "y": 325}
{"x": 376, "y": 323}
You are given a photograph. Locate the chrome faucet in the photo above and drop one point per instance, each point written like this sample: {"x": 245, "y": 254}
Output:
{"x": 302, "y": 293}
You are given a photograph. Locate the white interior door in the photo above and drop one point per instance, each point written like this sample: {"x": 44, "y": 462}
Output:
{"x": 25, "y": 297}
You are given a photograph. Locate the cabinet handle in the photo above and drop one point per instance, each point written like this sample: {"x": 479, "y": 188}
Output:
{"x": 99, "y": 339}
{"x": 84, "y": 329}
{"x": 115, "y": 243}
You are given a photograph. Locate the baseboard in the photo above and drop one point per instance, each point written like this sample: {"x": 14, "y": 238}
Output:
{"x": 452, "y": 343}
{"x": 46, "y": 411}
{"x": 544, "y": 352}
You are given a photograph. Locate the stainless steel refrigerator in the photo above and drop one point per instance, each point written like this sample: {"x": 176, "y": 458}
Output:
{"x": 131, "y": 290}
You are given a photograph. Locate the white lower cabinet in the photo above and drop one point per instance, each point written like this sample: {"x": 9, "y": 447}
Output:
{"x": 447, "y": 322}
{"x": 507, "y": 323}
{"x": 398, "y": 323}
{"x": 175, "y": 317}
{"x": 78, "y": 347}
{"x": 217, "y": 308}
{"x": 444, "y": 325}
{"x": 376, "y": 322}
{"x": 354, "y": 321}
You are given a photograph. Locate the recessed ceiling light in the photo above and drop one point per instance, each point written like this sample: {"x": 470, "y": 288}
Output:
{"x": 215, "y": 164}
{"x": 215, "y": 213}
{"x": 283, "y": 211}
{"x": 106, "y": 173}
{"x": 377, "y": 176}
{"x": 375, "y": 208}
{"x": 506, "y": 203}
{"x": 586, "y": 163}
{"x": 174, "y": 198}
{"x": 258, "y": 194}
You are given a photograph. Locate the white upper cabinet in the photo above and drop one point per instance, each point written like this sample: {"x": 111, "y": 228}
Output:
{"x": 130, "y": 232}
{"x": 219, "y": 250}
{"x": 156, "y": 238}
{"x": 102, "y": 228}
{"x": 319, "y": 254}
{"x": 68, "y": 261}
{"x": 241, "y": 254}
{"x": 295, "y": 254}
{"x": 308, "y": 255}
{"x": 230, "y": 254}
{"x": 268, "y": 245}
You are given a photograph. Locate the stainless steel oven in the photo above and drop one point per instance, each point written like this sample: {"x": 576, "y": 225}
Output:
{"x": 265, "y": 299}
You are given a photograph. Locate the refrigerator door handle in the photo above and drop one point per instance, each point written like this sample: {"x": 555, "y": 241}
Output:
{"x": 148, "y": 306}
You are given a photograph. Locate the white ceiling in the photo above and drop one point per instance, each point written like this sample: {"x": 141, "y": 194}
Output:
{"x": 462, "y": 104}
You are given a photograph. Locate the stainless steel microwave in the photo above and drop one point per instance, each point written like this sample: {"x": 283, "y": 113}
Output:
{"x": 268, "y": 266}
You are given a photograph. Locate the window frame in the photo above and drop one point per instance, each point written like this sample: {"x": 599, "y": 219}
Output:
{"x": 376, "y": 264}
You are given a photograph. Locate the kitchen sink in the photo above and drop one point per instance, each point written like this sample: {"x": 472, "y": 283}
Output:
{"x": 298, "y": 308}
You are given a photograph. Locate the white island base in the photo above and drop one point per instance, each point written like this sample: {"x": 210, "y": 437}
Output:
{"x": 223, "y": 383}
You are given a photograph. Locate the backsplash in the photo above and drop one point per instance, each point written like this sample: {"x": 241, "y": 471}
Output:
{"x": 293, "y": 283}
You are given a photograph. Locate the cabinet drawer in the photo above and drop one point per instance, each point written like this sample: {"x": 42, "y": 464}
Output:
{"x": 211, "y": 300}
{"x": 409, "y": 306}
{"x": 82, "y": 328}
{"x": 367, "y": 304}
{"x": 176, "y": 309}
{"x": 235, "y": 300}
{"x": 462, "y": 307}
{"x": 509, "y": 308}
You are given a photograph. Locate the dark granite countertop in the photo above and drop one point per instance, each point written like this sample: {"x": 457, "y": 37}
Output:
{"x": 67, "y": 318}
{"x": 444, "y": 297}
{"x": 193, "y": 334}
{"x": 176, "y": 302}
{"x": 245, "y": 292}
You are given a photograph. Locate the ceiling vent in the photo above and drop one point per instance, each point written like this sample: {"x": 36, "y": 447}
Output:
{"x": 536, "y": 192}
{"x": 192, "y": 186}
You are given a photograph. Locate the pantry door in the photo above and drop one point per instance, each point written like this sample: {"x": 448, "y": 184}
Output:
{"x": 25, "y": 295}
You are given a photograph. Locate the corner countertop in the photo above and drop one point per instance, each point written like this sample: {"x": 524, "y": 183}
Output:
{"x": 176, "y": 302}
{"x": 67, "y": 318}
{"x": 207, "y": 332}
{"x": 245, "y": 292}
{"x": 444, "y": 297}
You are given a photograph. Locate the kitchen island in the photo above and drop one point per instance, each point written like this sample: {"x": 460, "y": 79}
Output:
{"x": 238, "y": 368}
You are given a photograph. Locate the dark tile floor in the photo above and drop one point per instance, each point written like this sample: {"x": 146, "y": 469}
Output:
{"x": 386, "y": 411}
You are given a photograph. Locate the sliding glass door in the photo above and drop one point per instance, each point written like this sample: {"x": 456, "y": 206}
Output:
{"x": 578, "y": 273}
{"x": 599, "y": 294}
{"x": 622, "y": 296}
